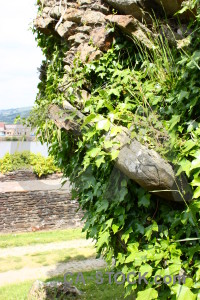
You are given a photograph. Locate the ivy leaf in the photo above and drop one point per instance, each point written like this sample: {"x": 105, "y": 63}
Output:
{"x": 185, "y": 166}
{"x": 174, "y": 120}
{"x": 196, "y": 182}
{"x": 146, "y": 268}
{"x": 94, "y": 152}
{"x": 149, "y": 230}
{"x": 139, "y": 228}
{"x": 114, "y": 154}
{"x": 144, "y": 201}
{"x": 100, "y": 160}
{"x": 115, "y": 92}
{"x": 88, "y": 119}
{"x": 195, "y": 164}
{"x": 189, "y": 145}
{"x": 103, "y": 125}
{"x": 196, "y": 193}
{"x": 104, "y": 239}
{"x": 115, "y": 130}
{"x": 147, "y": 294}
{"x": 183, "y": 292}
{"x": 115, "y": 228}
{"x": 102, "y": 206}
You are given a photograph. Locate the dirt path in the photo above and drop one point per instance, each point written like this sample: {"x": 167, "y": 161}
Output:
{"x": 50, "y": 271}
{"x": 21, "y": 251}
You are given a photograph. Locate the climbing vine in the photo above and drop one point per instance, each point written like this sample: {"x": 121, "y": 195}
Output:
{"x": 156, "y": 96}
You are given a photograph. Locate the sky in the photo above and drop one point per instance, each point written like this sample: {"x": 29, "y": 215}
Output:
{"x": 19, "y": 55}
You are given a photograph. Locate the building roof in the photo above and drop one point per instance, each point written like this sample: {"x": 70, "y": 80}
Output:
{"x": 14, "y": 126}
{"x": 2, "y": 125}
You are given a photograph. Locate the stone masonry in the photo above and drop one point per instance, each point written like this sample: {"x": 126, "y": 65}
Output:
{"x": 33, "y": 205}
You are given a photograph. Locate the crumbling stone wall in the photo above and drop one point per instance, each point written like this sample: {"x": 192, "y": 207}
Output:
{"x": 84, "y": 24}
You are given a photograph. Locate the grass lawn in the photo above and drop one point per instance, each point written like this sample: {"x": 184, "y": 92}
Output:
{"x": 90, "y": 291}
{"x": 42, "y": 237}
{"x": 46, "y": 258}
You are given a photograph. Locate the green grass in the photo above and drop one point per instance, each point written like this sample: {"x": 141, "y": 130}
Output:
{"x": 90, "y": 290}
{"x": 46, "y": 258}
{"x": 42, "y": 237}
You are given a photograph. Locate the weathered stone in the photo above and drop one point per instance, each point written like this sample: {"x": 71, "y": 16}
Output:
{"x": 91, "y": 17}
{"x": 84, "y": 29}
{"x": 52, "y": 290}
{"x": 66, "y": 29}
{"x": 170, "y": 7}
{"x": 133, "y": 28}
{"x": 102, "y": 8}
{"x": 46, "y": 10}
{"x": 74, "y": 15}
{"x": 136, "y": 8}
{"x": 78, "y": 38}
{"x": 43, "y": 24}
{"x": 56, "y": 12}
{"x": 101, "y": 38}
{"x": 88, "y": 53}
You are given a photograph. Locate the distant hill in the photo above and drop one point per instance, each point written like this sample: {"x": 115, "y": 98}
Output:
{"x": 8, "y": 115}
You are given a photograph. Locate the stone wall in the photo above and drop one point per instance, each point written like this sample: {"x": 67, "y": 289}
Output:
{"x": 30, "y": 204}
{"x": 22, "y": 175}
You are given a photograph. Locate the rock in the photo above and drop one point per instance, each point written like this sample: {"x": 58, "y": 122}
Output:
{"x": 101, "y": 38}
{"x": 88, "y": 53}
{"x": 52, "y": 290}
{"x": 92, "y": 17}
{"x": 84, "y": 28}
{"x": 133, "y": 28}
{"x": 43, "y": 24}
{"x": 56, "y": 12}
{"x": 66, "y": 29}
{"x": 135, "y": 8}
{"x": 102, "y": 8}
{"x": 82, "y": 2}
{"x": 73, "y": 15}
{"x": 170, "y": 7}
{"x": 78, "y": 38}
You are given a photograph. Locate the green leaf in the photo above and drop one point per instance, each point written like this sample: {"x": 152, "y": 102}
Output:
{"x": 146, "y": 268}
{"x": 115, "y": 228}
{"x": 94, "y": 152}
{"x": 174, "y": 120}
{"x": 104, "y": 239}
{"x": 196, "y": 193}
{"x": 103, "y": 125}
{"x": 188, "y": 146}
{"x": 100, "y": 160}
{"x": 115, "y": 92}
{"x": 149, "y": 230}
{"x": 144, "y": 201}
{"x": 196, "y": 182}
{"x": 183, "y": 292}
{"x": 88, "y": 119}
{"x": 195, "y": 164}
{"x": 147, "y": 294}
{"x": 114, "y": 154}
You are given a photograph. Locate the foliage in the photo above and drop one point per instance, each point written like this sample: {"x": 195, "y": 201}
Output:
{"x": 156, "y": 96}
{"x": 25, "y": 160}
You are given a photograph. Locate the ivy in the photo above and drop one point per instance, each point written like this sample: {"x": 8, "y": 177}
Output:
{"x": 156, "y": 96}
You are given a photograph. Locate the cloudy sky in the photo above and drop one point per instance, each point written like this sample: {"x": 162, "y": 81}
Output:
{"x": 19, "y": 55}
